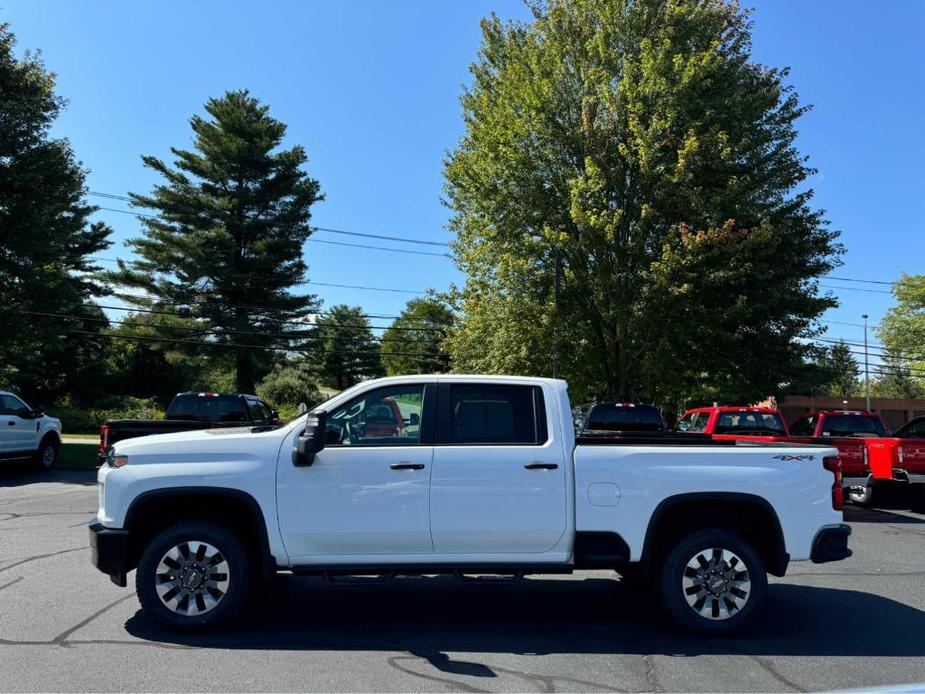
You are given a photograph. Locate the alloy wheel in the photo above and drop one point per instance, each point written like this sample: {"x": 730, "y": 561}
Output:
{"x": 716, "y": 584}
{"x": 192, "y": 578}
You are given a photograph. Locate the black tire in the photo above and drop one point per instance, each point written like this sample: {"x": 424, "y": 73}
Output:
{"x": 861, "y": 496}
{"x": 239, "y": 576}
{"x": 46, "y": 457}
{"x": 727, "y": 609}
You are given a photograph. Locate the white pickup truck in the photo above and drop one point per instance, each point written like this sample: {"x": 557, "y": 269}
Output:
{"x": 465, "y": 475}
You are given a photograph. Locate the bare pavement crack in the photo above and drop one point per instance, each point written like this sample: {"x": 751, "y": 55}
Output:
{"x": 36, "y": 557}
{"x": 63, "y": 639}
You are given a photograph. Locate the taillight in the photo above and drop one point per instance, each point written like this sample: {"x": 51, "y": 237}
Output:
{"x": 833, "y": 465}
{"x": 104, "y": 438}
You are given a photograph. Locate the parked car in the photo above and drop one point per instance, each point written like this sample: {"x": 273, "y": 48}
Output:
{"x": 869, "y": 456}
{"x": 493, "y": 481}
{"x": 27, "y": 433}
{"x": 911, "y": 437}
{"x": 192, "y": 411}
{"x": 618, "y": 416}
{"x": 736, "y": 422}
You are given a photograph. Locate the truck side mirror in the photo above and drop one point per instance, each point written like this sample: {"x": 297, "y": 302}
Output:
{"x": 415, "y": 419}
{"x": 311, "y": 441}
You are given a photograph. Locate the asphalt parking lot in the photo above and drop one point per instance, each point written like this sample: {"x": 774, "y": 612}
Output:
{"x": 65, "y": 627}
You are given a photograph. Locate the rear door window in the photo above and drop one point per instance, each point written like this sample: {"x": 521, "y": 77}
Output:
{"x": 612, "y": 417}
{"x": 804, "y": 426}
{"x": 852, "y": 425}
{"x": 496, "y": 414}
{"x": 745, "y": 422}
{"x": 208, "y": 408}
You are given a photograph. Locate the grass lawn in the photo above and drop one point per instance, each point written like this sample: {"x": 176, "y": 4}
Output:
{"x": 78, "y": 455}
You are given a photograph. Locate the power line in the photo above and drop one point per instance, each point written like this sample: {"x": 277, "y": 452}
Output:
{"x": 339, "y": 325}
{"x": 319, "y": 284}
{"x": 234, "y": 345}
{"x": 856, "y": 289}
{"x": 329, "y": 230}
{"x": 853, "y": 279}
{"x": 293, "y": 335}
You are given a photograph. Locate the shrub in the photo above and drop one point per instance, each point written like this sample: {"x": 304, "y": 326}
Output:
{"x": 287, "y": 386}
{"x": 87, "y": 420}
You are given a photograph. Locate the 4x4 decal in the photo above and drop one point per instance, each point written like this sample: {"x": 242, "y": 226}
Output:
{"x": 794, "y": 457}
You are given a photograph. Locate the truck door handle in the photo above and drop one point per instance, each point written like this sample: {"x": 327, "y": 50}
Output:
{"x": 407, "y": 466}
{"x": 541, "y": 466}
{"x": 10, "y": 423}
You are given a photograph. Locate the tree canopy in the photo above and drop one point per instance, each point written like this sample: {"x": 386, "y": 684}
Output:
{"x": 902, "y": 332}
{"x": 47, "y": 341}
{"x": 413, "y": 343}
{"x": 637, "y": 147}
{"x": 225, "y": 245}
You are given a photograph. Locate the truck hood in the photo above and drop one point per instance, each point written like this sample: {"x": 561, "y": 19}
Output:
{"x": 202, "y": 443}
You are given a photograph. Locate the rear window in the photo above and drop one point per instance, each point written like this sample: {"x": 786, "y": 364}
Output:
{"x": 852, "y": 425}
{"x": 746, "y": 422}
{"x": 609, "y": 417}
{"x": 694, "y": 422}
{"x": 202, "y": 408}
{"x": 497, "y": 414}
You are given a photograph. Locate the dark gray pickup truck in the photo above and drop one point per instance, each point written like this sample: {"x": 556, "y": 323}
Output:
{"x": 191, "y": 411}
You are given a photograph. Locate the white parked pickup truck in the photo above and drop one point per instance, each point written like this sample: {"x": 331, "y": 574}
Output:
{"x": 465, "y": 475}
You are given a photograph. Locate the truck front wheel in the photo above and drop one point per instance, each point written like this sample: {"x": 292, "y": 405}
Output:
{"x": 713, "y": 581}
{"x": 194, "y": 575}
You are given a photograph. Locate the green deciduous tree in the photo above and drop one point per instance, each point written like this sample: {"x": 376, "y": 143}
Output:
{"x": 413, "y": 343}
{"x": 288, "y": 385}
{"x": 342, "y": 347}
{"x": 637, "y": 146}
{"x": 902, "y": 332}
{"x": 46, "y": 240}
{"x": 225, "y": 246}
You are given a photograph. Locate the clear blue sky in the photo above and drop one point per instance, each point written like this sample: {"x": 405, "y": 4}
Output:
{"x": 371, "y": 90}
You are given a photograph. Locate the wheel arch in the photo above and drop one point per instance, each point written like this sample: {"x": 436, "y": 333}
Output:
{"x": 155, "y": 510}
{"x": 747, "y": 514}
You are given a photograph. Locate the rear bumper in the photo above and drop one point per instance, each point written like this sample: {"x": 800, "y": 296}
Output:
{"x": 110, "y": 552}
{"x": 899, "y": 475}
{"x": 831, "y": 544}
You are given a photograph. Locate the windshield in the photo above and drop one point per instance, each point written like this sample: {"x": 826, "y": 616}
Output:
{"x": 852, "y": 425}
{"x": 221, "y": 408}
{"x": 609, "y": 417}
{"x": 745, "y": 421}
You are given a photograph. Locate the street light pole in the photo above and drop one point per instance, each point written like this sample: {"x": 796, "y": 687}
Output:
{"x": 866, "y": 367}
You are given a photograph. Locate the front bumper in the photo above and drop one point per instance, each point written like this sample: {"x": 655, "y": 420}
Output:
{"x": 110, "y": 552}
{"x": 831, "y": 544}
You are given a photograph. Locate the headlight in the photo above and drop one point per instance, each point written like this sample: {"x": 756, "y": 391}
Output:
{"x": 114, "y": 460}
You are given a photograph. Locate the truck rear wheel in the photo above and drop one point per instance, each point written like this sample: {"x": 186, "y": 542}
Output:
{"x": 713, "y": 581}
{"x": 194, "y": 575}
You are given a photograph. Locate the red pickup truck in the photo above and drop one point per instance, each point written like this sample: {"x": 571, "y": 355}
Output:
{"x": 866, "y": 450}
{"x": 738, "y": 423}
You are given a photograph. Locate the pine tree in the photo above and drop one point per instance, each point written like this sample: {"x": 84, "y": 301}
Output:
{"x": 343, "y": 349}
{"x": 225, "y": 245}
{"x": 46, "y": 239}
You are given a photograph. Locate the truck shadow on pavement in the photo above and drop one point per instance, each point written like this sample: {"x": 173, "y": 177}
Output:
{"x": 22, "y": 475}
{"x": 429, "y": 617}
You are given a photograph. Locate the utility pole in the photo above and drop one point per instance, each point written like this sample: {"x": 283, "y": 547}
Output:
{"x": 866, "y": 368}
{"x": 555, "y": 326}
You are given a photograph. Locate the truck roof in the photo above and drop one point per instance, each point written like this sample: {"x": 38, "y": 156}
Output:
{"x": 861, "y": 413}
{"x": 734, "y": 408}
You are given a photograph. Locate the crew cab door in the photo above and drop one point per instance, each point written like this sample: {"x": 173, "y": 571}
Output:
{"x": 19, "y": 431}
{"x": 498, "y": 485}
{"x": 366, "y": 493}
